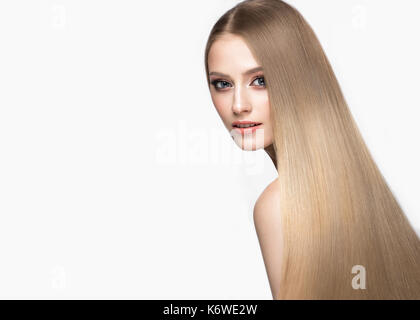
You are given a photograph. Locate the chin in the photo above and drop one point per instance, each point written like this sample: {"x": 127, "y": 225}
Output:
{"x": 249, "y": 142}
{"x": 253, "y": 148}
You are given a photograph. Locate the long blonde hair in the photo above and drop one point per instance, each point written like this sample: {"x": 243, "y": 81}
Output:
{"x": 336, "y": 207}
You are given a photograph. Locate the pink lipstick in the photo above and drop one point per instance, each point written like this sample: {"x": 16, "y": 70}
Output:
{"x": 246, "y": 126}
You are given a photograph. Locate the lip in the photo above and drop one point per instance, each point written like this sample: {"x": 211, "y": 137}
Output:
{"x": 246, "y": 130}
{"x": 244, "y": 122}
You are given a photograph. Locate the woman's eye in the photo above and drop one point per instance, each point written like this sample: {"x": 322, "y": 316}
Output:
{"x": 220, "y": 84}
{"x": 260, "y": 81}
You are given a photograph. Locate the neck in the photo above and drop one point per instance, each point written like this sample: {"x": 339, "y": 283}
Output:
{"x": 270, "y": 151}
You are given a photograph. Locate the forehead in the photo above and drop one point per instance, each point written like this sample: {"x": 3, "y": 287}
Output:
{"x": 230, "y": 53}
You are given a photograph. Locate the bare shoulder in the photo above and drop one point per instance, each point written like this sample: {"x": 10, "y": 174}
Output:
{"x": 268, "y": 204}
{"x": 267, "y": 221}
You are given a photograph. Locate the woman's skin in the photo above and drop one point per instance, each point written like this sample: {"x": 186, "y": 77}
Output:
{"x": 238, "y": 95}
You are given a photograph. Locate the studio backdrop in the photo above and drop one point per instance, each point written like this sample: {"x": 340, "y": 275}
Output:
{"x": 117, "y": 176}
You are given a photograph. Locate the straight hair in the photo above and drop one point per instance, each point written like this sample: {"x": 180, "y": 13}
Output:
{"x": 337, "y": 210}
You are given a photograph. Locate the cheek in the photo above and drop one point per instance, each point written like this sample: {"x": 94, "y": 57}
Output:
{"x": 221, "y": 104}
{"x": 263, "y": 104}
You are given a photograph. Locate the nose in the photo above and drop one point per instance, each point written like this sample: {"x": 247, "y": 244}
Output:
{"x": 240, "y": 101}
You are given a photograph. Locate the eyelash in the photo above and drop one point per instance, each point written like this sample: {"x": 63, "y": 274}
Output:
{"x": 214, "y": 83}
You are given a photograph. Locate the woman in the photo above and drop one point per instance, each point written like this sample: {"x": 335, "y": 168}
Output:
{"x": 329, "y": 227}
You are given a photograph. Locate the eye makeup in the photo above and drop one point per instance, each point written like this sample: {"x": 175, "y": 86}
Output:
{"x": 215, "y": 82}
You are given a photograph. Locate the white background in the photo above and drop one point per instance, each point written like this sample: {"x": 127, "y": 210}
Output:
{"x": 117, "y": 177}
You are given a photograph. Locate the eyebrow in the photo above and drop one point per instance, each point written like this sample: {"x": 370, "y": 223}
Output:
{"x": 250, "y": 71}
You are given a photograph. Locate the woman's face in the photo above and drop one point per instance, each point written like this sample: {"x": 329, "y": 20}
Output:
{"x": 238, "y": 92}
